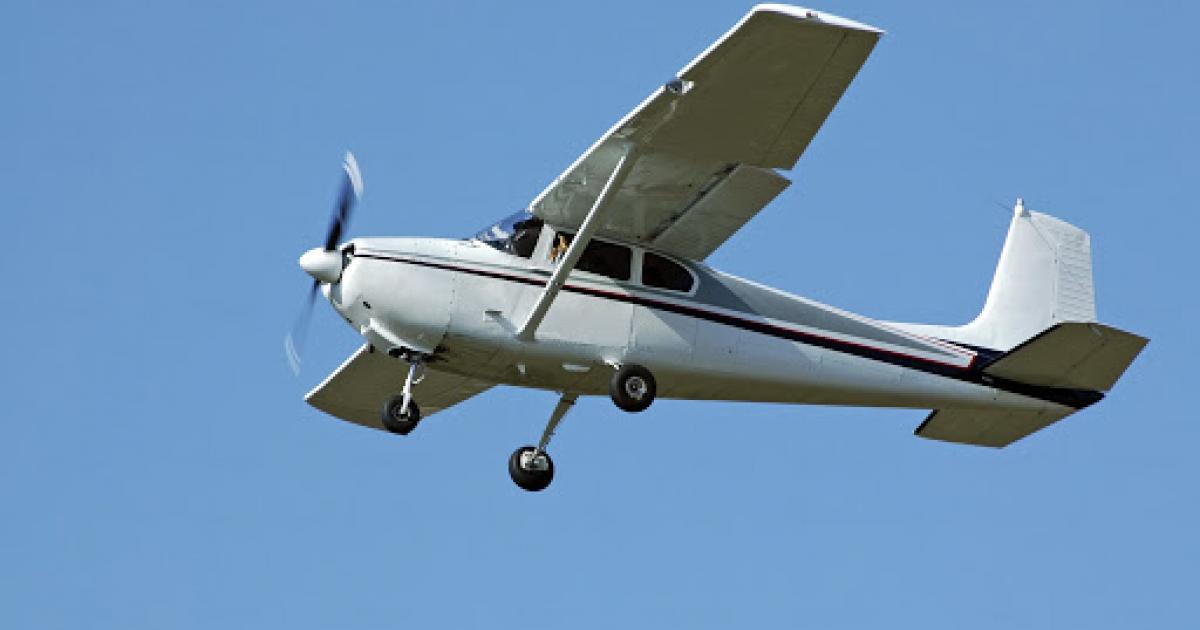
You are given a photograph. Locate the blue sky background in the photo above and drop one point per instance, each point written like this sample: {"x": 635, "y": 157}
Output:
{"x": 164, "y": 164}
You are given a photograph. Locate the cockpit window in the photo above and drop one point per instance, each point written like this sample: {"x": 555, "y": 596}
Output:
{"x": 516, "y": 235}
{"x": 665, "y": 274}
{"x": 606, "y": 259}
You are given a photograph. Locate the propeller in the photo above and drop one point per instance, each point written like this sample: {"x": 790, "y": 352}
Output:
{"x": 325, "y": 264}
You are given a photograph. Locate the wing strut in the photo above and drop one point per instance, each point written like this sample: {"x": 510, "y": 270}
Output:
{"x": 578, "y": 244}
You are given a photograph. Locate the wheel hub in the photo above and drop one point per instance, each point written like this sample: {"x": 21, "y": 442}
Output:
{"x": 534, "y": 461}
{"x": 635, "y": 386}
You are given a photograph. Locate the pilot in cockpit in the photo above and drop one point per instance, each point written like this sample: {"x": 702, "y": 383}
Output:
{"x": 559, "y": 248}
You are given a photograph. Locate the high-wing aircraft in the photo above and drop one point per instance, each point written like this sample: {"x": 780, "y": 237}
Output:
{"x": 599, "y": 287}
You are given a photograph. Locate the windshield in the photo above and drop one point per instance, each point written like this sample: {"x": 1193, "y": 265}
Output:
{"x": 516, "y": 234}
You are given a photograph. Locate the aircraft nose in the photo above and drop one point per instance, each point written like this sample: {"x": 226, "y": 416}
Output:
{"x": 323, "y": 265}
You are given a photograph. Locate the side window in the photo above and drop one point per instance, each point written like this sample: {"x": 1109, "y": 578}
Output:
{"x": 606, "y": 259}
{"x": 665, "y": 274}
{"x": 525, "y": 238}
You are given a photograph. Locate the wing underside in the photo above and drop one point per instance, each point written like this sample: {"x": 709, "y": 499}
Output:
{"x": 749, "y": 104}
{"x": 357, "y": 390}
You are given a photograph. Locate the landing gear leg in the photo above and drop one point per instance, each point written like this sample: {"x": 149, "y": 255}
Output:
{"x": 401, "y": 413}
{"x": 530, "y": 466}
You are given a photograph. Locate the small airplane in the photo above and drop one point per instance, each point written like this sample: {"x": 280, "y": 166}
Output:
{"x": 599, "y": 285}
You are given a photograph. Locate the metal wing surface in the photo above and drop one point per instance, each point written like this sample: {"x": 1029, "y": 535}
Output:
{"x": 708, "y": 143}
{"x": 357, "y": 390}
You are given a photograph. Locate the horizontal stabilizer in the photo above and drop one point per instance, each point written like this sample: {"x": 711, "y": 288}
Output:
{"x": 1071, "y": 355}
{"x": 987, "y": 427}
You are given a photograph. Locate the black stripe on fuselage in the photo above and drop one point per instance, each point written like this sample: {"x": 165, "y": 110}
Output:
{"x": 1075, "y": 398}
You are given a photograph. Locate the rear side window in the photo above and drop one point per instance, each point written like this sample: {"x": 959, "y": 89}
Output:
{"x": 661, "y": 273}
{"x": 606, "y": 259}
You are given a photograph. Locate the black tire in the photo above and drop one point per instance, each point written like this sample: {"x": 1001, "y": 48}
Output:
{"x": 526, "y": 479}
{"x": 396, "y": 420}
{"x": 632, "y": 388}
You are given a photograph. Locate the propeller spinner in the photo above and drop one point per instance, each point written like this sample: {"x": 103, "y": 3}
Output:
{"x": 325, "y": 264}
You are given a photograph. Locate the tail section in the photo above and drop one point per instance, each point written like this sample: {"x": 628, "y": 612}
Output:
{"x": 1041, "y": 312}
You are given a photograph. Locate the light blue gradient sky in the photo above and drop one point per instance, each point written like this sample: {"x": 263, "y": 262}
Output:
{"x": 165, "y": 163}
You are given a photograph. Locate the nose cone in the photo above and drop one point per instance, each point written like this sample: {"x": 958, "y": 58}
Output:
{"x": 325, "y": 266}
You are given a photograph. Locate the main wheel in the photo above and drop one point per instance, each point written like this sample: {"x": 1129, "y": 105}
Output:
{"x": 397, "y": 419}
{"x": 529, "y": 471}
{"x": 632, "y": 388}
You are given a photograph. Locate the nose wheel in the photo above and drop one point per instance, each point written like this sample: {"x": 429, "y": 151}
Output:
{"x": 400, "y": 413}
{"x": 398, "y": 418}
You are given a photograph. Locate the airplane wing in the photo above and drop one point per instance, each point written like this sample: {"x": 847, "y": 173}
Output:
{"x": 356, "y": 391}
{"x": 708, "y": 142}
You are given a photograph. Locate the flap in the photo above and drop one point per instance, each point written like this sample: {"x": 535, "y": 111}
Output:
{"x": 716, "y": 216}
{"x": 357, "y": 390}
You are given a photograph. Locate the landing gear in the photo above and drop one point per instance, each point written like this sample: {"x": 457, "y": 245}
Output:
{"x": 401, "y": 413}
{"x": 632, "y": 388}
{"x": 531, "y": 469}
{"x": 399, "y": 419}
{"x": 530, "y": 466}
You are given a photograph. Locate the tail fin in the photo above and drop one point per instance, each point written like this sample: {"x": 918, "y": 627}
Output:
{"x": 1044, "y": 278}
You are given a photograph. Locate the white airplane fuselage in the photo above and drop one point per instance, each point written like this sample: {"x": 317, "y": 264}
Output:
{"x": 461, "y": 302}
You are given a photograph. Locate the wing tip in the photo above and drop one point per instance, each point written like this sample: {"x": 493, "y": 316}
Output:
{"x": 802, "y": 13}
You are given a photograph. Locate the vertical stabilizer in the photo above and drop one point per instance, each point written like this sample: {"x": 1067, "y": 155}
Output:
{"x": 1044, "y": 277}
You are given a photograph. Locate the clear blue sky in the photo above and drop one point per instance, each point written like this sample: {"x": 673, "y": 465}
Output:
{"x": 164, "y": 164}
